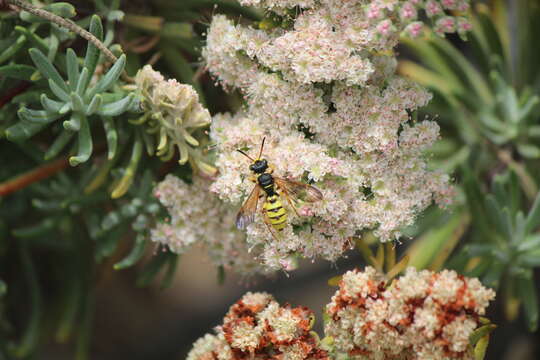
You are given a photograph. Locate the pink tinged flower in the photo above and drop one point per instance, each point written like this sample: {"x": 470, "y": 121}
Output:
{"x": 449, "y": 4}
{"x": 433, "y": 8}
{"x": 408, "y": 11}
{"x": 374, "y": 11}
{"x": 445, "y": 24}
{"x": 463, "y": 25}
{"x": 414, "y": 29}
{"x": 385, "y": 27}
{"x": 463, "y": 5}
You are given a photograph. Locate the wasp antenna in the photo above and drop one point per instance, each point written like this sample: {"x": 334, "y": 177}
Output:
{"x": 262, "y": 146}
{"x": 246, "y": 155}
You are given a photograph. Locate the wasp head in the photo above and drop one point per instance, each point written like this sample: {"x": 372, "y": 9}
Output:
{"x": 259, "y": 166}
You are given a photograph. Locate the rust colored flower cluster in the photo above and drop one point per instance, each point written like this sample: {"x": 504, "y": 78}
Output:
{"x": 257, "y": 327}
{"x": 422, "y": 315}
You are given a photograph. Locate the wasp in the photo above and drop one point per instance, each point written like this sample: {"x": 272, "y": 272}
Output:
{"x": 273, "y": 189}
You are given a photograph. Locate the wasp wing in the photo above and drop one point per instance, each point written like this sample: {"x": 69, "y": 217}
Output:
{"x": 298, "y": 191}
{"x": 246, "y": 215}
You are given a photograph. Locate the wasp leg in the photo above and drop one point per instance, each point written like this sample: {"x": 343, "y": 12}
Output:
{"x": 269, "y": 226}
{"x": 252, "y": 179}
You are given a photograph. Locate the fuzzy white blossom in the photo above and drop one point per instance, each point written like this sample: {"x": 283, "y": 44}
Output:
{"x": 323, "y": 91}
{"x": 198, "y": 217}
{"x": 421, "y": 315}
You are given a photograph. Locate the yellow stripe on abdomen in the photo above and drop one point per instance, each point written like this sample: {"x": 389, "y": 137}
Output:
{"x": 276, "y": 213}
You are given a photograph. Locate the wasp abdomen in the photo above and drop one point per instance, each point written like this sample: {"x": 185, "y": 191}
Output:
{"x": 276, "y": 213}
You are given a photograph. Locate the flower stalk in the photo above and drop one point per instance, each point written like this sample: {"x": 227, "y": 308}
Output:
{"x": 65, "y": 23}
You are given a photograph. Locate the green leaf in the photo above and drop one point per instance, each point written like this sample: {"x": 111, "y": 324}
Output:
{"x": 151, "y": 269}
{"x": 493, "y": 275}
{"x": 73, "y": 124}
{"x": 136, "y": 253}
{"x": 61, "y": 9}
{"x": 85, "y": 144}
{"x": 527, "y": 108}
{"x": 425, "y": 249}
{"x": 335, "y": 280}
{"x": 92, "y": 52}
{"x": 107, "y": 244}
{"x": 533, "y": 218}
{"x": 59, "y": 92}
{"x": 59, "y": 144}
{"x": 70, "y": 308}
{"x": 499, "y": 218}
{"x": 42, "y": 228}
{"x": 37, "y": 116}
{"x": 221, "y": 275}
{"x": 530, "y": 259}
{"x": 527, "y": 293}
{"x": 77, "y": 103}
{"x": 51, "y": 106}
{"x": 116, "y": 108}
{"x": 529, "y": 151}
{"x": 84, "y": 79}
{"x": 112, "y": 136}
{"x": 534, "y": 130}
{"x": 107, "y": 81}
{"x": 479, "y": 333}
{"x": 13, "y": 49}
{"x": 465, "y": 70}
{"x": 3, "y": 288}
{"x": 30, "y": 337}
{"x": 531, "y": 242}
{"x": 16, "y": 71}
{"x": 176, "y": 30}
{"x": 72, "y": 63}
{"x": 32, "y": 122}
{"x": 34, "y": 39}
{"x": 171, "y": 270}
{"x": 94, "y": 105}
{"x": 481, "y": 348}
{"x": 47, "y": 69}
{"x": 125, "y": 182}
{"x": 23, "y": 130}
{"x": 53, "y": 47}
{"x": 475, "y": 201}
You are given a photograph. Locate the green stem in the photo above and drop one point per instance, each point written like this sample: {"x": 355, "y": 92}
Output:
{"x": 65, "y": 23}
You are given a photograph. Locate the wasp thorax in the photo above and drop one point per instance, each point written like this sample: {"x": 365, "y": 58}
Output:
{"x": 259, "y": 166}
{"x": 265, "y": 180}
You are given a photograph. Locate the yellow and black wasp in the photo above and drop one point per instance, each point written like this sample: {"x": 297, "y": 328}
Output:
{"x": 272, "y": 188}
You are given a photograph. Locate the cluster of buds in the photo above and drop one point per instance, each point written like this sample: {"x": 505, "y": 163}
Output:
{"x": 421, "y": 315}
{"x": 257, "y": 327}
{"x": 172, "y": 113}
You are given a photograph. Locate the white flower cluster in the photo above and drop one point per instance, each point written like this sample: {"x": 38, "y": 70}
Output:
{"x": 258, "y": 328}
{"x": 198, "y": 217}
{"x": 173, "y": 112}
{"x": 325, "y": 95}
{"x": 422, "y": 315}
